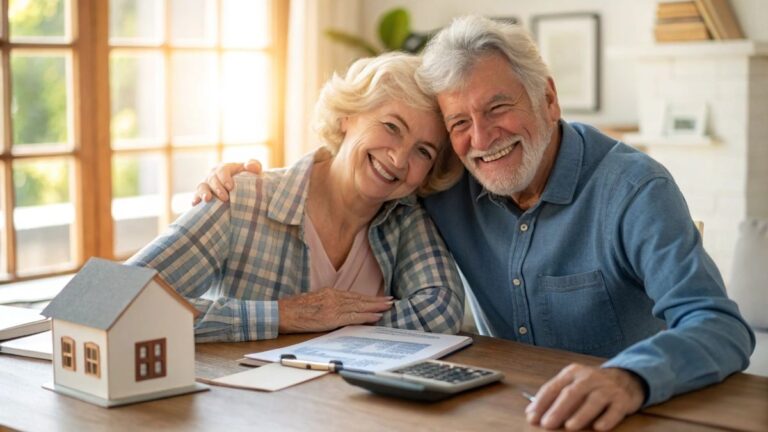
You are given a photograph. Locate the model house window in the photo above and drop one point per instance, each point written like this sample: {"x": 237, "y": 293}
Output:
{"x": 92, "y": 359}
{"x": 150, "y": 359}
{"x": 68, "y": 353}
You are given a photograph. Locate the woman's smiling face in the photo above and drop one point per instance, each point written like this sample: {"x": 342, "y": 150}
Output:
{"x": 389, "y": 151}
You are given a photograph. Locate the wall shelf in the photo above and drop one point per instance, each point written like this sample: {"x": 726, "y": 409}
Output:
{"x": 675, "y": 141}
{"x": 713, "y": 48}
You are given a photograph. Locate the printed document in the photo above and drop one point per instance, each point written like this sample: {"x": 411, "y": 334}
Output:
{"x": 370, "y": 348}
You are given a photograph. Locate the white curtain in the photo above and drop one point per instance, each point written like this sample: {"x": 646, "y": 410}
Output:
{"x": 312, "y": 59}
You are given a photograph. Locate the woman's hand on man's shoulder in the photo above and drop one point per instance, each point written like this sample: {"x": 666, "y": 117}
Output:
{"x": 219, "y": 181}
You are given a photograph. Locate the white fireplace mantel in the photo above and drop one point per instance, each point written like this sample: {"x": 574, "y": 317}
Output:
{"x": 679, "y": 50}
{"x": 724, "y": 173}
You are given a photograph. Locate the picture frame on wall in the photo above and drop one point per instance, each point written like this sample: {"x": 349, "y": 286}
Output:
{"x": 570, "y": 46}
{"x": 685, "y": 119}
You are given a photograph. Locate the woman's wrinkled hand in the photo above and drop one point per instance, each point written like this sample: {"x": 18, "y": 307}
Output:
{"x": 328, "y": 309}
{"x": 219, "y": 181}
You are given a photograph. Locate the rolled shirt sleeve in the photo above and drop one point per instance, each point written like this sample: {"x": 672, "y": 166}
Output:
{"x": 191, "y": 256}
{"x": 423, "y": 276}
{"x": 706, "y": 338}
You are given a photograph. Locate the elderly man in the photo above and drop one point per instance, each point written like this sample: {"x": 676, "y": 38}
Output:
{"x": 570, "y": 239}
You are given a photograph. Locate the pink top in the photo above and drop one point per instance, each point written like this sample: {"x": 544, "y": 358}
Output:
{"x": 359, "y": 273}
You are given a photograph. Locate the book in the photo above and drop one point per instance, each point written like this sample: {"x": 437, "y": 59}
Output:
{"x": 17, "y": 322}
{"x": 369, "y": 348}
{"x": 689, "y": 30}
{"x": 676, "y": 10}
{"x": 38, "y": 345}
{"x": 720, "y": 19}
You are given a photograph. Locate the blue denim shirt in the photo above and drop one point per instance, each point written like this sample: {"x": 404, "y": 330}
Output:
{"x": 608, "y": 263}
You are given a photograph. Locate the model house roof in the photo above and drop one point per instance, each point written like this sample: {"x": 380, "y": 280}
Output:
{"x": 101, "y": 291}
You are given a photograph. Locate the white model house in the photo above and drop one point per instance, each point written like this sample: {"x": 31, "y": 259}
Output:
{"x": 121, "y": 335}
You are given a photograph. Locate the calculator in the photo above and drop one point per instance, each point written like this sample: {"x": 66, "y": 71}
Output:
{"x": 429, "y": 380}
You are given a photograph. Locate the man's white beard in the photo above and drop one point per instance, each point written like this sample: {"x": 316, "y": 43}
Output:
{"x": 509, "y": 183}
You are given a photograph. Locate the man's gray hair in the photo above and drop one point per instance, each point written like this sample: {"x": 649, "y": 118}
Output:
{"x": 451, "y": 54}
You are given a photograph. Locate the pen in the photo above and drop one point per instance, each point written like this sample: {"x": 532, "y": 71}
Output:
{"x": 291, "y": 361}
{"x": 530, "y": 397}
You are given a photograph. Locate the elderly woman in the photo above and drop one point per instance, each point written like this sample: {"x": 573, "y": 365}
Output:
{"x": 336, "y": 239}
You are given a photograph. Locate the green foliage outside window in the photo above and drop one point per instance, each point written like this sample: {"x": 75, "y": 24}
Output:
{"x": 36, "y": 17}
{"x": 123, "y": 73}
{"x": 39, "y": 104}
{"x": 39, "y": 107}
{"x": 42, "y": 182}
{"x": 125, "y": 178}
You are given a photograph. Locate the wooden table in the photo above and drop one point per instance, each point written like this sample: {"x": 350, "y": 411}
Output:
{"x": 327, "y": 403}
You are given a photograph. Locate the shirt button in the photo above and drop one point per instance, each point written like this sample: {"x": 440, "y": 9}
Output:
{"x": 516, "y": 282}
{"x": 523, "y": 227}
{"x": 522, "y": 330}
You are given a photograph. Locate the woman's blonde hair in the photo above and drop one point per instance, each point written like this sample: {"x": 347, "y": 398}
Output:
{"x": 369, "y": 83}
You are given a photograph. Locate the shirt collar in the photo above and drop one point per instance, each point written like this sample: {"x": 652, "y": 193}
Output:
{"x": 564, "y": 177}
{"x": 290, "y": 195}
{"x": 287, "y": 202}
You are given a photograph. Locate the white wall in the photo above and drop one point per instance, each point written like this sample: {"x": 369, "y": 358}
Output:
{"x": 154, "y": 314}
{"x": 624, "y": 24}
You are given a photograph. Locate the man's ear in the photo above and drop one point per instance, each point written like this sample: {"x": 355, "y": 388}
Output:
{"x": 552, "y": 103}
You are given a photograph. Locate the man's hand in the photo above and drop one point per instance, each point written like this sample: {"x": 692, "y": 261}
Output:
{"x": 580, "y": 396}
{"x": 219, "y": 181}
{"x": 328, "y": 309}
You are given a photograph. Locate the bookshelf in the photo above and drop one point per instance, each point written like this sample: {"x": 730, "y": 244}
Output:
{"x": 640, "y": 140}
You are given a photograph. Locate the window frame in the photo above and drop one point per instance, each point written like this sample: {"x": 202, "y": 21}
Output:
{"x": 92, "y": 359}
{"x": 67, "y": 341}
{"x": 91, "y": 150}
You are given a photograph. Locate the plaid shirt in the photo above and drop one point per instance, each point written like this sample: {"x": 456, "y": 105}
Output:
{"x": 234, "y": 260}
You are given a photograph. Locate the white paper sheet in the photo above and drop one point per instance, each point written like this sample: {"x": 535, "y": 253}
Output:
{"x": 39, "y": 345}
{"x": 271, "y": 377}
{"x": 370, "y": 348}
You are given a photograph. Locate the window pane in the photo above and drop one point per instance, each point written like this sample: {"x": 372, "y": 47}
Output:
{"x": 195, "y": 107}
{"x": 39, "y": 19}
{"x": 138, "y": 99}
{"x": 39, "y": 101}
{"x": 137, "y": 200}
{"x": 246, "y": 97}
{"x": 188, "y": 169}
{"x": 44, "y": 213}
{"x": 245, "y": 23}
{"x": 244, "y": 152}
{"x": 136, "y": 22}
{"x": 193, "y": 22}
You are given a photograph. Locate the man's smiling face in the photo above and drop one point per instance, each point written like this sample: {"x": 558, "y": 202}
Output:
{"x": 494, "y": 127}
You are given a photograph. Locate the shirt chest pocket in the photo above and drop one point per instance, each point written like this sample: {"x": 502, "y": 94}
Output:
{"x": 577, "y": 314}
